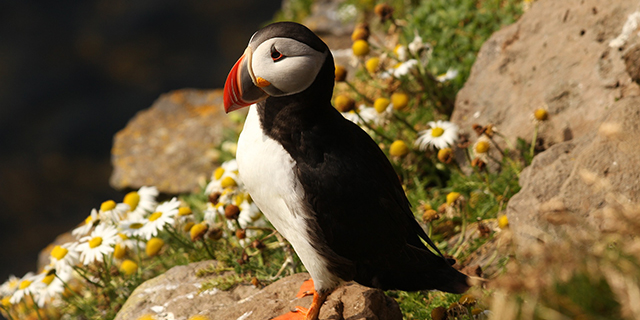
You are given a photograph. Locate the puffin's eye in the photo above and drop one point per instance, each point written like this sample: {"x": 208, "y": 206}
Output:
{"x": 276, "y": 55}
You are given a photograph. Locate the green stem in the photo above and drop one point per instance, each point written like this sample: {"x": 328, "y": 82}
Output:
{"x": 36, "y": 308}
{"x": 361, "y": 95}
{"x": 382, "y": 135}
{"x": 8, "y": 311}
{"x": 535, "y": 139}
{"x": 211, "y": 255}
{"x": 83, "y": 275}
{"x": 463, "y": 234}
{"x": 405, "y": 122}
{"x": 173, "y": 233}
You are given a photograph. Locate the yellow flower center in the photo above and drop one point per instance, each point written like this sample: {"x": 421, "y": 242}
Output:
{"x": 184, "y": 211}
{"x": 128, "y": 267}
{"x": 360, "y": 48}
{"x": 381, "y": 104}
{"x": 153, "y": 246}
{"x": 436, "y": 132}
{"x": 372, "y": 64}
{"x": 108, "y": 205}
{"x": 228, "y": 182}
{"x": 48, "y": 279}
{"x": 398, "y": 148}
{"x": 124, "y": 236}
{"x": 24, "y": 284}
{"x": 132, "y": 199}
{"x": 96, "y": 241}
{"x": 59, "y": 252}
{"x": 6, "y": 303}
{"x": 541, "y": 114}
{"x": 119, "y": 251}
{"x": 198, "y": 230}
{"x": 452, "y": 197}
{"x": 503, "y": 222}
{"x": 137, "y": 225}
{"x": 218, "y": 173}
{"x": 154, "y": 216}
{"x": 400, "y": 100}
{"x": 482, "y": 147}
{"x": 88, "y": 220}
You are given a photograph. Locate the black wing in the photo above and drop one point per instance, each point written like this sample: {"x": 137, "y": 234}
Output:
{"x": 362, "y": 212}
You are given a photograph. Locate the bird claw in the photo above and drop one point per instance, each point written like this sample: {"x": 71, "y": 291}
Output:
{"x": 306, "y": 289}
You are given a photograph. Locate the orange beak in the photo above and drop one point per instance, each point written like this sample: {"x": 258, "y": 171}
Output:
{"x": 239, "y": 89}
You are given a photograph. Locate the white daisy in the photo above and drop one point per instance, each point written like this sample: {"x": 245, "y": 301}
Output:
{"x": 451, "y": 74}
{"x": 64, "y": 256}
{"x": 141, "y": 202}
{"x": 92, "y": 220}
{"x": 441, "y": 134}
{"x": 10, "y": 286}
{"x": 132, "y": 227}
{"x": 52, "y": 285}
{"x": 112, "y": 213}
{"x": 100, "y": 242}
{"x": 420, "y": 49}
{"x": 223, "y": 177}
{"x": 28, "y": 285}
{"x": 164, "y": 214}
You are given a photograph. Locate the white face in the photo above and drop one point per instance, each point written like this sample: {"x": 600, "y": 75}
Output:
{"x": 289, "y": 65}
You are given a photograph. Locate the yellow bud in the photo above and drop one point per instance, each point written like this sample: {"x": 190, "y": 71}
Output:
{"x": 398, "y": 148}
{"x": 198, "y": 231}
{"x": 482, "y": 146}
{"x": 108, "y": 205}
{"x": 132, "y": 199}
{"x": 88, "y": 220}
{"x": 400, "y": 100}
{"x": 153, "y": 246}
{"x": 381, "y": 104}
{"x": 503, "y": 221}
{"x": 184, "y": 211}
{"x": 360, "y": 32}
{"x": 360, "y": 48}
{"x": 6, "y": 303}
{"x": 541, "y": 114}
{"x": 119, "y": 251}
{"x": 344, "y": 103}
{"x": 59, "y": 252}
{"x": 155, "y": 216}
{"x": 146, "y": 317}
{"x": 95, "y": 242}
{"x": 452, "y": 197}
{"x": 372, "y": 64}
{"x": 445, "y": 155}
{"x": 128, "y": 267}
{"x": 439, "y": 313}
{"x": 341, "y": 73}
{"x": 218, "y": 173}
{"x": 187, "y": 226}
{"x": 228, "y": 182}
{"x": 467, "y": 300}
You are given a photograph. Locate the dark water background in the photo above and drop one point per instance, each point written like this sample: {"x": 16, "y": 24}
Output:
{"x": 72, "y": 73}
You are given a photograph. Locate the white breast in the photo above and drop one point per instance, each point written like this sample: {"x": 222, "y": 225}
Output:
{"x": 266, "y": 169}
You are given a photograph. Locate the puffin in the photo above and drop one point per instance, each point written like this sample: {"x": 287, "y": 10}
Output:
{"x": 321, "y": 180}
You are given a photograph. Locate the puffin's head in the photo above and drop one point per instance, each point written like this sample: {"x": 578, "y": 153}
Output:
{"x": 282, "y": 59}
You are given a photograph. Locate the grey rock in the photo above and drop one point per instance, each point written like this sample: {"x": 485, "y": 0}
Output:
{"x": 557, "y": 56}
{"x": 573, "y": 182}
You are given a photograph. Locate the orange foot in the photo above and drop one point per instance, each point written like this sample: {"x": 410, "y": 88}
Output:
{"x": 301, "y": 313}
